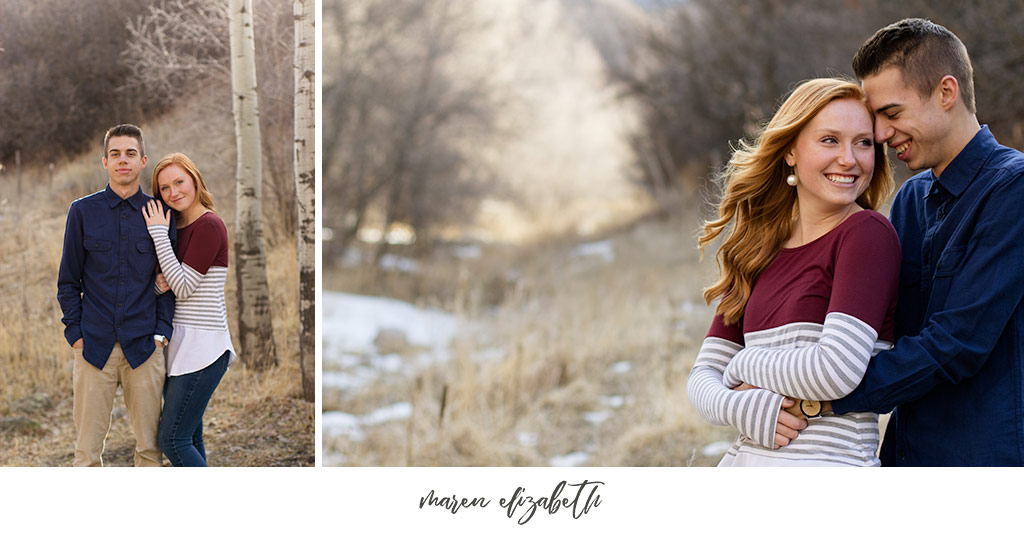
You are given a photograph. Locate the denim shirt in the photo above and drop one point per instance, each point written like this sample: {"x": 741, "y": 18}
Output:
{"x": 955, "y": 373}
{"x": 106, "y": 282}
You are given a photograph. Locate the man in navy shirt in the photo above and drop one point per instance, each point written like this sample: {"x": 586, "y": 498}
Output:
{"x": 955, "y": 376}
{"x": 113, "y": 319}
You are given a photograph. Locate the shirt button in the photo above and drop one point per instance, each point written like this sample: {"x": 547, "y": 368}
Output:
{"x": 122, "y": 282}
{"x": 902, "y": 453}
{"x": 124, "y": 237}
{"x": 124, "y": 216}
{"x": 942, "y": 212}
{"x": 119, "y": 304}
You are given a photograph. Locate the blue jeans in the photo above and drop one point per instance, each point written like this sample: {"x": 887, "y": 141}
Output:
{"x": 181, "y": 424}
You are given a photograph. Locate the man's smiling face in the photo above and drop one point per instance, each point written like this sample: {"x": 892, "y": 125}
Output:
{"x": 913, "y": 125}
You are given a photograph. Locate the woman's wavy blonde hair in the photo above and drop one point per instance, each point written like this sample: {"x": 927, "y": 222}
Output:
{"x": 202, "y": 193}
{"x": 757, "y": 203}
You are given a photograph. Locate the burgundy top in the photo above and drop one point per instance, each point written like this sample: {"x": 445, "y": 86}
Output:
{"x": 853, "y": 269}
{"x": 203, "y": 243}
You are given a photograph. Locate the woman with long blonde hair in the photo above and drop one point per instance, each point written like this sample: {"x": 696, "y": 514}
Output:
{"x": 808, "y": 279}
{"x": 200, "y": 351}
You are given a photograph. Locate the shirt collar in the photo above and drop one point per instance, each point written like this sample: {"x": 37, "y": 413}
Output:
{"x": 136, "y": 200}
{"x": 966, "y": 165}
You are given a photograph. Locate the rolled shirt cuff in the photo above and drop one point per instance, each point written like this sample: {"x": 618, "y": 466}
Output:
{"x": 854, "y": 402}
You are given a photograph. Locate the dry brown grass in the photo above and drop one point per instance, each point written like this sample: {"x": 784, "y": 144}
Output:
{"x": 254, "y": 419}
{"x": 566, "y": 326}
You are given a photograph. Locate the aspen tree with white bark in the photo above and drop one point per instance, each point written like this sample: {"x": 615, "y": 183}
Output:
{"x": 255, "y": 332}
{"x": 305, "y": 191}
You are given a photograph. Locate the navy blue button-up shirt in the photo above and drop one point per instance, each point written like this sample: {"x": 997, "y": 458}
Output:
{"x": 956, "y": 373}
{"x": 107, "y": 273}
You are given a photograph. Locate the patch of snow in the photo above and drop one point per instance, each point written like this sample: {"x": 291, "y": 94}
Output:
{"x": 467, "y": 251}
{"x": 342, "y": 424}
{"x": 335, "y": 459}
{"x": 602, "y": 249}
{"x": 401, "y": 264}
{"x": 621, "y": 367}
{"x": 346, "y": 360}
{"x": 388, "y": 363}
{"x": 527, "y": 438}
{"x": 397, "y": 411}
{"x": 353, "y": 258}
{"x": 597, "y": 417}
{"x": 351, "y": 322}
{"x": 349, "y": 380}
{"x": 437, "y": 356}
{"x": 576, "y": 458}
{"x": 613, "y": 401}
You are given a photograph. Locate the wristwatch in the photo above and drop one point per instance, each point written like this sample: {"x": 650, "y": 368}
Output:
{"x": 161, "y": 338}
{"x": 810, "y": 409}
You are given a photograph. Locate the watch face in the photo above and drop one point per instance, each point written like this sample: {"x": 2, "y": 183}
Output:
{"x": 811, "y": 408}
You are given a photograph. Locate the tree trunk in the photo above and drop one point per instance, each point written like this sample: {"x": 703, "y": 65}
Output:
{"x": 305, "y": 191}
{"x": 255, "y": 330}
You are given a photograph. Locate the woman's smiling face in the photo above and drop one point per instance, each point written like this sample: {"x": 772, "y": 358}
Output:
{"x": 177, "y": 188}
{"x": 834, "y": 156}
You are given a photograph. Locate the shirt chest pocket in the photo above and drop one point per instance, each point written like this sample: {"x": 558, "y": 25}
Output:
{"x": 143, "y": 257}
{"x": 99, "y": 255}
{"x": 946, "y": 268}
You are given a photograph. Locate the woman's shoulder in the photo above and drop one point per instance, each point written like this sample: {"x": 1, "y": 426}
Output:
{"x": 209, "y": 228}
{"x": 871, "y": 226}
{"x": 211, "y": 221}
{"x": 870, "y": 221}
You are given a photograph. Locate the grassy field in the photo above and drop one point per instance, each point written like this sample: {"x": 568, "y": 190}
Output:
{"x": 254, "y": 418}
{"x": 581, "y": 349}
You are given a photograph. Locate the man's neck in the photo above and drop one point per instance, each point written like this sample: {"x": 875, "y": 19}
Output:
{"x": 125, "y": 191}
{"x": 962, "y": 131}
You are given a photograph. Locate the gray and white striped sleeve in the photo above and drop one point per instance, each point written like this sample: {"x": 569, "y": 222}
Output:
{"x": 753, "y": 412}
{"x": 182, "y": 278}
{"x": 826, "y": 370}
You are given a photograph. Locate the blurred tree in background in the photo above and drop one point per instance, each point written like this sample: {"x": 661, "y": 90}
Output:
{"x": 61, "y": 75}
{"x": 715, "y": 69}
{"x": 399, "y": 127}
{"x": 709, "y": 71}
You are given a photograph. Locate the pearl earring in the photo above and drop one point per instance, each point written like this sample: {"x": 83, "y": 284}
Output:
{"x": 791, "y": 180}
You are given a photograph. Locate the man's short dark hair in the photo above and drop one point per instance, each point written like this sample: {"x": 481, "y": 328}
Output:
{"x": 923, "y": 51}
{"x": 125, "y": 129}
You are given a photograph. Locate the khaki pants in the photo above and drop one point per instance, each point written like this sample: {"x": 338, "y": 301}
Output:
{"x": 94, "y": 391}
